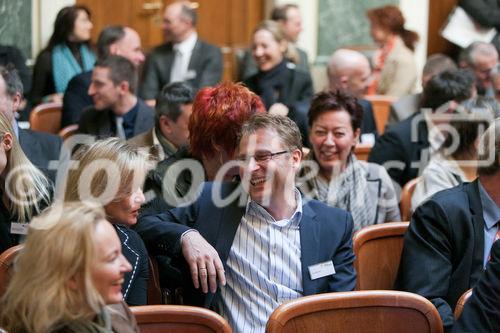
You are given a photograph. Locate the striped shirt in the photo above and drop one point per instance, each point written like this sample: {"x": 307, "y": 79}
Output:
{"x": 263, "y": 269}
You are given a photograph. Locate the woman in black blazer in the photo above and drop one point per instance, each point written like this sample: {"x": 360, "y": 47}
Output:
{"x": 283, "y": 89}
{"x": 111, "y": 173}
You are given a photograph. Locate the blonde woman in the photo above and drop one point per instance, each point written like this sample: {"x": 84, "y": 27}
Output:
{"x": 25, "y": 191}
{"x": 111, "y": 173}
{"x": 283, "y": 89}
{"x": 70, "y": 268}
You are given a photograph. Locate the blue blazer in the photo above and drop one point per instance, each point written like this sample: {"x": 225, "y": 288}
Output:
{"x": 325, "y": 234}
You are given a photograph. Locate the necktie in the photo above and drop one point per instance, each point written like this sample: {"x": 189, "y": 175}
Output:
{"x": 120, "y": 131}
{"x": 177, "y": 73}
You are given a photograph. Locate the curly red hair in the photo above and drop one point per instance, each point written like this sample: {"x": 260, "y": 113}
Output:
{"x": 218, "y": 114}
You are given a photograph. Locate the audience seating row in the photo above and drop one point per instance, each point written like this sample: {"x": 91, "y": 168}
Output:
{"x": 378, "y": 250}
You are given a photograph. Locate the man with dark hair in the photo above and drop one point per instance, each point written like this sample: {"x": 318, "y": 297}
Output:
{"x": 404, "y": 149}
{"x": 117, "y": 111}
{"x": 408, "y": 105}
{"x": 271, "y": 245}
{"x": 113, "y": 40}
{"x": 173, "y": 109}
{"x": 448, "y": 242}
{"x": 40, "y": 148}
{"x": 290, "y": 19}
{"x": 184, "y": 57}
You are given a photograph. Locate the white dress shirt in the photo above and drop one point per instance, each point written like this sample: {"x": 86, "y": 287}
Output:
{"x": 183, "y": 51}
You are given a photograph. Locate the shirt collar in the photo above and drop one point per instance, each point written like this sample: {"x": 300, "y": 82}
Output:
{"x": 187, "y": 45}
{"x": 491, "y": 212}
{"x": 254, "y": 209}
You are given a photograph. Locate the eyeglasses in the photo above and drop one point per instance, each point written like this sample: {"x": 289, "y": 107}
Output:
{"x": 261, "y": 157}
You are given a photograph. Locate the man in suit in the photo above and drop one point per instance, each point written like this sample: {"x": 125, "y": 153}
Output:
{"x": 481, "y": 313}
{"x": 184, "y": 57}
{"x": 405, "y": 148}
{"x": 448, "y": 242}
{"x": 290, "y": 19}
{"x": 40, "y": 148}
{"x": 408, "y": 105}
{"x": 350, "y": 70}
{"x": 173, "y": 108}
{"x": 113, "y": 40}
{"x": 117, "y": 111}
{"x": 267, "y": 244}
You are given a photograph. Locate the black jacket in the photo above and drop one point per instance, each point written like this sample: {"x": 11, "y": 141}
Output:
{"x": 76, "y": 99}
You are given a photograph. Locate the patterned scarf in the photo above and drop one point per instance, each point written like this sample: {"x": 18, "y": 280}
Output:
{"x": 65, "y": 66}
{"x": 349, "y": 191}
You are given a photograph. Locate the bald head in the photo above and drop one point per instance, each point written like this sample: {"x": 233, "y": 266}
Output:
{"x": 349, "y": 70}
{"x": 179, "y": 21}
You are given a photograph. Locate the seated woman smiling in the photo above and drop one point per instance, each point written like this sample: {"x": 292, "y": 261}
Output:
{"x": 111, "y": 173}
{"x": 68, "y": 275}
{"x": 363, "y": 189}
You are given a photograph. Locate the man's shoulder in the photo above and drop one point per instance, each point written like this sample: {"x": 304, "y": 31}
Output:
{"x": 142, "y": 140}
{"x": 206, "y": 46}
{"x": 41, "y": 137}
{"x": 452, "y": 200}
{"x": 324, "y": 211}
{"x": 83, "y": 78}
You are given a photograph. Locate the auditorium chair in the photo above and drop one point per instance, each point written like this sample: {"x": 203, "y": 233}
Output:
{"x": 46, "y": 117}
{"x": 6, "y": 263}
{"x": 406, "y": 193}
{"x": 461, "y": 303}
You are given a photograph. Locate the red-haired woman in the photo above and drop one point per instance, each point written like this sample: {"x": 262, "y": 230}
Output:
{"x": 215, "y": 123}
{"x": 394, "y": 67}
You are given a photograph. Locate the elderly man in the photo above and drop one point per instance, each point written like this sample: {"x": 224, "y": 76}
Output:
{"x": 184, "y": 57}
{"x": 481, "y": 58}
{"x": 350, "y": 70}
{"x": 448, "y": 242}
{"x": 271, "y": 246}
{"x": 113, "y": 40}
{"x": 173, "y": 108}
{"x": 117, "y": 111}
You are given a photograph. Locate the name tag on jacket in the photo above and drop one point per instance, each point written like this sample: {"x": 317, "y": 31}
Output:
{"x": 17, "y": 228}
{"x": 322, "y": 269}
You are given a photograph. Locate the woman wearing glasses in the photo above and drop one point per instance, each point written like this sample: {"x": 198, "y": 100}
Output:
{"x": 339, "y": 179}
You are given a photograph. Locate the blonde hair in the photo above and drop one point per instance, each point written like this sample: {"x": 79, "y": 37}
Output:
{"x": 278, "y": 34}
{"x": 26, "y": 187}
{"x": 59, "y": 248}
{"x": 114, "y": 155}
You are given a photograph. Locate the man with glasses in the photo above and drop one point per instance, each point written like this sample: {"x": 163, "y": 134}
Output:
{"x": 272, "y": 245}
{"x": 481, "y": 58}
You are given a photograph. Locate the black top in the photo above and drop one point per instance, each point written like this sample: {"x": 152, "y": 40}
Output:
{"x": 76, "y": 98}
{"x": 43, "y": 81}
{"x": 135, "y": 285}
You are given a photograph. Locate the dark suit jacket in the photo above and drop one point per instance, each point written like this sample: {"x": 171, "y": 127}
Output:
{"x": 206, "y": 63}
{"x": 41, "y": 148}
{"x": 100, "y": 122}
{"x": 486, "y": 13}
{"x": 248, "y": 67}
{"x": 76, "y": 98}
{"x": 404, "y": 107}
{"x": 481, "y": 313}
{"x": 444, "y": 248}
{"x": 135, "y": 285}
{"x": 296, "y": 95}
{"x": 325, "y": 234}
{"x": 403, "y": 143}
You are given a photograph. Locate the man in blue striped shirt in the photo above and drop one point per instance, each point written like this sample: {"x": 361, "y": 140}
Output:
{"x": 271, "y": 245}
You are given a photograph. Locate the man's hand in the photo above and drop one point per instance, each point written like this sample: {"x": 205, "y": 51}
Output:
{"x": 204, "y": 262}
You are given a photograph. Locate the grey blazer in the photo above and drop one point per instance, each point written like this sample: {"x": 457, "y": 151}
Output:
{"x": 205, "y": 64}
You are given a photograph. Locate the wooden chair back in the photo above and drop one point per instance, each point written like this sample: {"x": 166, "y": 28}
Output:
{"x": 68, "y": 131}
{"x": 381, "y": 105}
{"x": 371, "y": 311}
{"x": 459, "y": 308}
{"x": 405, "y": 203}
{"x": 46, "y": 117}
{"x": 362, "y": 151}
{"x": 378, "y": 253}
{"x": 6, "y": 264}
{"x": 178, "y": 319}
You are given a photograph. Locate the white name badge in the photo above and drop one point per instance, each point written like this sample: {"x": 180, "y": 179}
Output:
{"x": 19, "y": 228}
{"x": 322, "y": 269}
